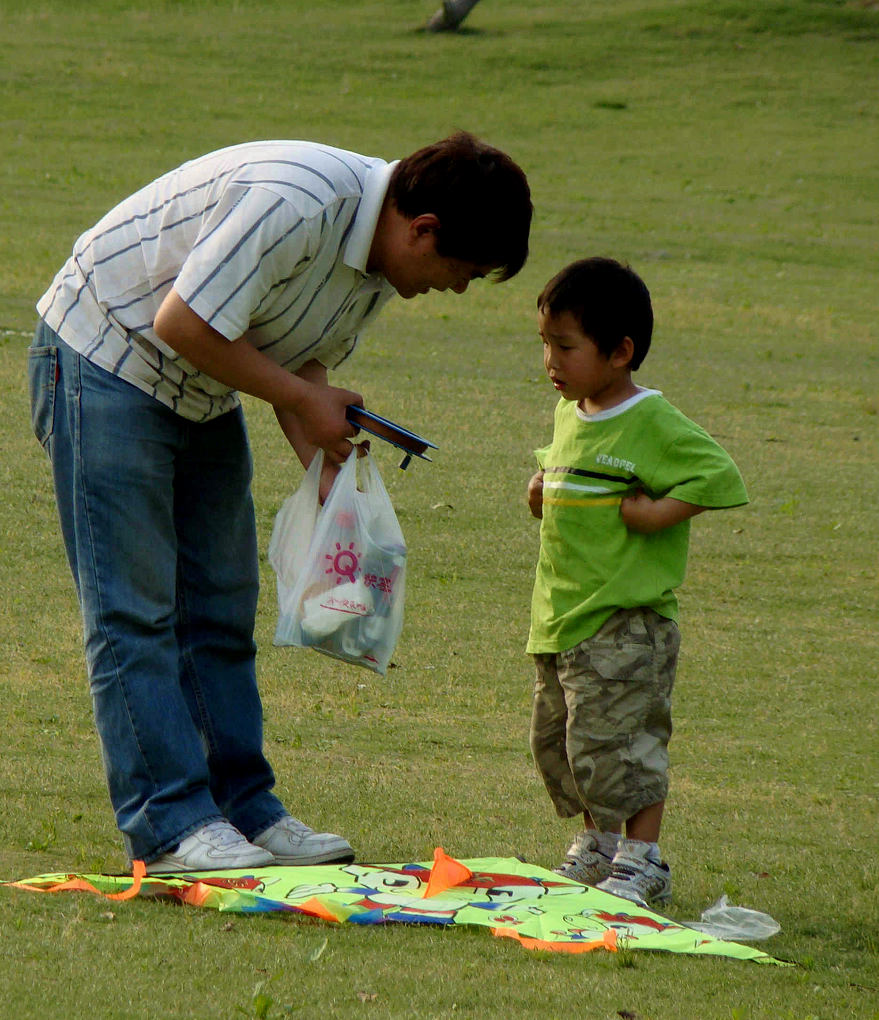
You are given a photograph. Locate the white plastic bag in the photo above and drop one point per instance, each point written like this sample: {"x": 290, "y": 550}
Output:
{"x": 294, "y": 525}
{"x": 736, "y": 924}
{"x": 341, "y": 568}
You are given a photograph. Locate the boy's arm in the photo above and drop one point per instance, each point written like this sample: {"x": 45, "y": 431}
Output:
{"x": 645, "y": 515}
{"x": 535, "y": 495}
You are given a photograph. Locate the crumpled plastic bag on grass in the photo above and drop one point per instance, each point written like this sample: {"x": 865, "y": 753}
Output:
{"x": 735, "y": 924}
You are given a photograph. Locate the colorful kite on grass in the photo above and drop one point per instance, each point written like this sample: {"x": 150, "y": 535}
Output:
{"x": 540, "y": 909}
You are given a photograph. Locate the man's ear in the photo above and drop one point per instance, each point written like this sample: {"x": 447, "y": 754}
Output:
{"x": 624, "y": 353}
{"x": 423, "y": 225}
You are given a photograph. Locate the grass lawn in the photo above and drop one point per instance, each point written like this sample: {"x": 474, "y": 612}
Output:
{"x": 729, "y": 151}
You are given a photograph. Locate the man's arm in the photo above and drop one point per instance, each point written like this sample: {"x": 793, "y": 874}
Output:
{"x": 316, "y": 373}
{"x": 318, "y": 408}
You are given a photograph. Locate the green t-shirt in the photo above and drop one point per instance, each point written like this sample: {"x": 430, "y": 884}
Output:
{"x": 590, "y": 564}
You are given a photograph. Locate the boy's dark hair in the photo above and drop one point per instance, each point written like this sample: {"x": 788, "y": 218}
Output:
{"x": 480, "y": 196}
{"x": 609, "y": 301}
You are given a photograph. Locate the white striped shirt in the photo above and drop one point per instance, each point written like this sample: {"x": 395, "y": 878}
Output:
{"x": 267, "y": 240}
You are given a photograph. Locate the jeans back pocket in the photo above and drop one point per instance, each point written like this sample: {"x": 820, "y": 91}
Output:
{"x": 42, "y": 370}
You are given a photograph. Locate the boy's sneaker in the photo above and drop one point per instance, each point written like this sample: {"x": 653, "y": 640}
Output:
{"x": 585, "y": 861}
{"x": 217, "y": 846}
{"x": 292, "y": 842}
{"x": 635, "y": 877}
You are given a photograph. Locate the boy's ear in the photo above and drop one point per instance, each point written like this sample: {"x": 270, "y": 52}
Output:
{"x": 624, "y": 353}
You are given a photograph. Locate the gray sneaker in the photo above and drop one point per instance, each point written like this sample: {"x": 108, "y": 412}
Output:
{"x": 217, "y": 846}
{"x": 292, "y": 842}
{"x": 636, "y": 878}
{"x": 584, "y": 862}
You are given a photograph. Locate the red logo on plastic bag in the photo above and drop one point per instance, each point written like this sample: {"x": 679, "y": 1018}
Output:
{"x": 344, "y": 563}
{"x": 385, "y": 584}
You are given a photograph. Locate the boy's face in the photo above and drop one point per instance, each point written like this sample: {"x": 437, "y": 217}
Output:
{"x": 577, "y": 368}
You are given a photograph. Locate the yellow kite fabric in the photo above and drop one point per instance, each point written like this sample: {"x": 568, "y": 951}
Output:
{"x": 513, "y": 899}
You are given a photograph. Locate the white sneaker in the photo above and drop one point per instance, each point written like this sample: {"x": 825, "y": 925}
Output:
{"x": 585, "y": 862}
{"x": 291, "y": 842}
{"x": 634, "y": 877}
{"x": 217, "y": 846}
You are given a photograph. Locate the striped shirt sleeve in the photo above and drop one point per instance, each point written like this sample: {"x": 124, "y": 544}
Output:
{"x": 252, "y": 240}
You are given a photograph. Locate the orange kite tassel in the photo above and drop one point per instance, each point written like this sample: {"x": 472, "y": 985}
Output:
{"x": 138, "y": 871}
{"x": 445, "y": 873}
{"x": 75, "y": 884}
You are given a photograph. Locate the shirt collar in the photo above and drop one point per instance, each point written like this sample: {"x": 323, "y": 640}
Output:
{"x": 617, "y": 409}
{"x": 375, "y": 188}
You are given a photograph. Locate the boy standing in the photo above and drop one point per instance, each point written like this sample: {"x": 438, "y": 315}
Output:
{"x": 616, "y": 489}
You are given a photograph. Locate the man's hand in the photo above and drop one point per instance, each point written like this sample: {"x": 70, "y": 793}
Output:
{"x": 322, "y": 422}
{"x": 535, "y": 495}
{"x": 645, "y": 515}
{"x": 300, "y": 432}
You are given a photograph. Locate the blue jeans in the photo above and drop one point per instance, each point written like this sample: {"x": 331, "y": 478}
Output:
{"x": 158, "y": 523}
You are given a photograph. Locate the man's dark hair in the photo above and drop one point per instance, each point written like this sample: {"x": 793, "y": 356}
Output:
{"x": 609, "y": 301}
{"x": 480, "y": 196}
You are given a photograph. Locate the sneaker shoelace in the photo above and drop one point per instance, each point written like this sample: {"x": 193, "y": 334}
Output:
{"x": 221, "y": 835}
{"x": 624, "y": 872}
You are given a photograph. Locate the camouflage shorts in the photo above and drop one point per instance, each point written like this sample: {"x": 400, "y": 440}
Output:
{"x": 601, "y": 718}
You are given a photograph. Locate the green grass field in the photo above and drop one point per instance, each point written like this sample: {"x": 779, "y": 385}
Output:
{"x": 729, "y": 151}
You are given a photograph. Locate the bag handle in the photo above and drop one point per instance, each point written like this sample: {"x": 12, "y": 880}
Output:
{"x": 304, "y": 504}
{"x": 369, "y": 480}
